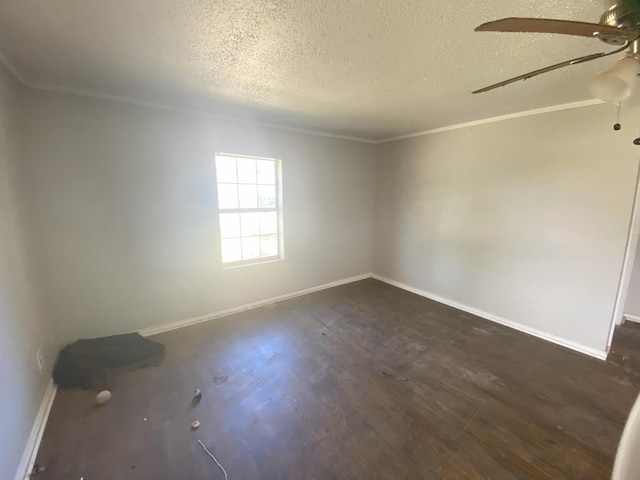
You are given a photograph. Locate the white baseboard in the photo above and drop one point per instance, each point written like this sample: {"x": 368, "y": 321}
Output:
{"x": 166, "y": 327}
{"x": 33, "y": 442}
{"x": 600, "y": 354}
{"x": 631, "y": 318}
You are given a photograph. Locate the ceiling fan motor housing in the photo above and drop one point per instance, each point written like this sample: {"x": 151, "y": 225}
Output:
{"x": 624, "y": 14}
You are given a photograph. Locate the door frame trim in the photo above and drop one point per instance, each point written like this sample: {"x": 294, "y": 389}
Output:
{"x": 627, "y": 264}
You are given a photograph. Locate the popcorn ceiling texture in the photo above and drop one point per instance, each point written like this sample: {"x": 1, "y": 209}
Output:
{"x": 365, "y": 68}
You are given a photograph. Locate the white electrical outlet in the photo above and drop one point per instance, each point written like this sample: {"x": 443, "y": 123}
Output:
{"x": 39, "y": 358}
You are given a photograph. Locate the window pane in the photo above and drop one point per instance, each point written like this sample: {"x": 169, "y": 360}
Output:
{"x": 269, "y": 245}
{"x": 246, "y": 170}
{"x": 267, "y": 196}
{"x": 250, "y": 248}
{"x": 227, "y": 196}
{"x": 248, "y": 196}
{"x": 231, "y": 250}
{"x": 225, "y": 169}
{"x": 250, "y": 224}
{"x": 268, "y": 222}
{"x": 229, "y": 225}
{"x": 266, "y": 172}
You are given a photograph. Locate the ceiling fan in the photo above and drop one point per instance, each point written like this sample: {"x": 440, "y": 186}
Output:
{"x": 618, "y": 26}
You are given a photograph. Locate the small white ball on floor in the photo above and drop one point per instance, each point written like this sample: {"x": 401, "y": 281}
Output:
{"x": 103, "y": 397}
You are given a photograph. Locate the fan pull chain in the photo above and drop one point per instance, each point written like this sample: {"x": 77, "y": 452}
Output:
{"x": 617, "y": 126}
{"x": 636, "y": 141}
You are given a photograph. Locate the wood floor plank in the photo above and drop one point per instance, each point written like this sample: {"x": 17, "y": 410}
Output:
{"x": 362, "y": 381}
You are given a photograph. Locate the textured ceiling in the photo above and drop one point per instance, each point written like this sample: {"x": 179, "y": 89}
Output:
{"x": 364, "y": 68}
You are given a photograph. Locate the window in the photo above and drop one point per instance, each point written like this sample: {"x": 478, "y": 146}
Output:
{"x": 249, "y": 202}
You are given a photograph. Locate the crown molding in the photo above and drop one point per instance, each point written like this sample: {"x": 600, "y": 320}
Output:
{"x": 142, "y": 103}
{"x": 161, "y": 106}
{"x": 499, "y": 118}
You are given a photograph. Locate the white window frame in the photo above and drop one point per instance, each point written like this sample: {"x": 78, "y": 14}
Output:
{"x": 277, "y": 209}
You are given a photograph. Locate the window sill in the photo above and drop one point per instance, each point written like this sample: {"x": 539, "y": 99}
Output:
{"x": 250, "y": 263}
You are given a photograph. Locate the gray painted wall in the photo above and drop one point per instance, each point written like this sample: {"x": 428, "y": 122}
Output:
{"x": 22, "y": 323}
{"x": 126, "y": 201}
{"x": 525, "y": 219}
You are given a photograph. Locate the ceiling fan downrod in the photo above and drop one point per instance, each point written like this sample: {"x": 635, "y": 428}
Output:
{"x": 624, "y": 15}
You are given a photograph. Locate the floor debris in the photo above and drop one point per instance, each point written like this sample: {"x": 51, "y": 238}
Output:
{"x": 197, "y": 396}
{"x": 103, "y": 397}
{"x": 214, "y": 459}
{"x": 37, "y": 469}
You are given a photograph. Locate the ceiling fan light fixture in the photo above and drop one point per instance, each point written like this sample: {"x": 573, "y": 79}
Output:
{"x": 616, "y": 84}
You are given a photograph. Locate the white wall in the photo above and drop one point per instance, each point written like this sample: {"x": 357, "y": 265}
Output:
{"x": 23, "y": 328}
{"x": 525, "y": 219}
{"x": 632, "y": 303}
{"x": 126, "y": 199}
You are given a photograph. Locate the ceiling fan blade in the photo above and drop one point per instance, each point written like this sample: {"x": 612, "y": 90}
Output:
{"x": 566, "y": 27}
{"x": 575, "y": 61}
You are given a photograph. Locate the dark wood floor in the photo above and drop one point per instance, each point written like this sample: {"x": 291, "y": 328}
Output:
{"x": 625, "y": 349}
{"x": 363, "y": 381}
